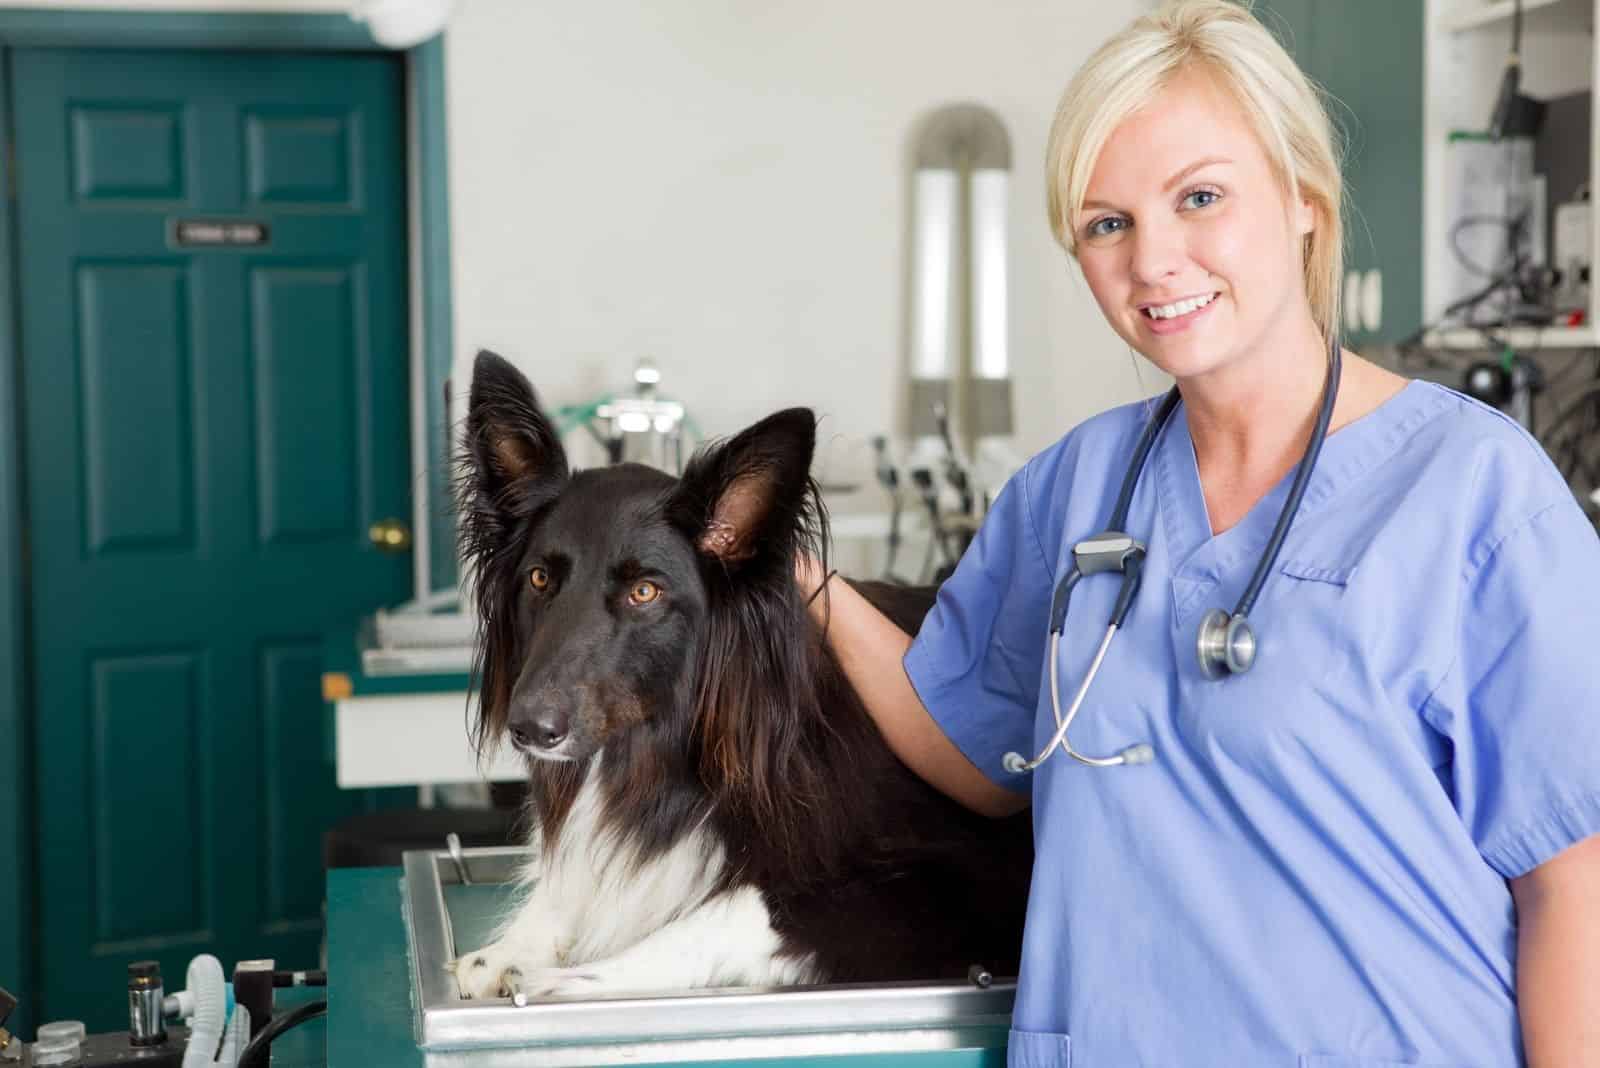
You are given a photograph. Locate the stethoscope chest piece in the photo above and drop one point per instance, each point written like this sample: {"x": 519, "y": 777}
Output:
{"x": 1226, "y": 645}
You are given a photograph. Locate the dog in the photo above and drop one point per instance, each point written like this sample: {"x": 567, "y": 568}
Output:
{"x": 713, "y": 806}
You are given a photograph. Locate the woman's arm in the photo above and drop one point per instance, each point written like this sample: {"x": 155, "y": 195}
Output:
{"x": 870, "y": 648}
{"x": 1558, "y": 957}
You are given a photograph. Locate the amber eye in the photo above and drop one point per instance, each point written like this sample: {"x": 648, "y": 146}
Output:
{"x": 539, "y": 578}
{"x": 643, "y": 593}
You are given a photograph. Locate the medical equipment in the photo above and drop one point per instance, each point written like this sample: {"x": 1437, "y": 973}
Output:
{"x": 146, "y": 1026}
{"x": 641, "y": 427}
{"x": 7, "y": 1004}
{"x": 1226, "y": 645}
{"x": 1509, "y": 383}
{"x": 889, "y": 478}
{"x": 1514, "y": 114}
{"x": 1571, "y": 243}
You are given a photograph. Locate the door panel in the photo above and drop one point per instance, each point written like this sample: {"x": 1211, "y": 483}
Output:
{"x": 133, "y": 340}
{"x": 210, "y": 430}
{"x": 1368, "y": 54}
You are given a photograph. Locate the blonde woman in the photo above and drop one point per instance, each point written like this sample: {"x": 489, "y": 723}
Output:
{"x": 1348, "y": 820}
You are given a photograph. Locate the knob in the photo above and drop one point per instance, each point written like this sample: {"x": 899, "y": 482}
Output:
{"x": 390, "y": 535}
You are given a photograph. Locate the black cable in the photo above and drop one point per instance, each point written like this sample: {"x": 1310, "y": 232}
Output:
{"x": 1578, "y": 358}
{"x": 257, "y": 1054}
{"x": 1467, "y": 221}
{"x": 1573, "y": 450}
{"x": 311, "y": 977}
{"x": 1583, "y": 400}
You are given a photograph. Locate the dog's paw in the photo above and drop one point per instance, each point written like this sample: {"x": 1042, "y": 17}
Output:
{"x": 575, "y": 982}
{"x": 496, "y": 971}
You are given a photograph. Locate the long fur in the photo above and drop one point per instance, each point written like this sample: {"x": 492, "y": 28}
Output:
{"x": 743, "y": 741}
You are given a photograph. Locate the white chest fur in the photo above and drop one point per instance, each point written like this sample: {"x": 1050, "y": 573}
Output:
{"x": 597, "y": 917}
{"x": 606, "y": 895}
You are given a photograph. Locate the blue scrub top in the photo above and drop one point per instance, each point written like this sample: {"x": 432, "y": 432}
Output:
{"x": 1312, "y": 871}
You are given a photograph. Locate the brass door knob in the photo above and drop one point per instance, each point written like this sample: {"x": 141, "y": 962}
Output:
{"x": 390, "y": 535}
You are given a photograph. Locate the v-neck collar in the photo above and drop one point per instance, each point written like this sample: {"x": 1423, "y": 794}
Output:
{"x": 1198, "y": 555}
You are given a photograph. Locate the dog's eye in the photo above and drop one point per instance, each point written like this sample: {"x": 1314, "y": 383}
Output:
{"x": 539, "y": 579}
{"x": 643, "y": 593}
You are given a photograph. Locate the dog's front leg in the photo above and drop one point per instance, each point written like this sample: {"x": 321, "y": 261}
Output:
{"x": 727, "y": 941}
{"x": 532, "y": 943}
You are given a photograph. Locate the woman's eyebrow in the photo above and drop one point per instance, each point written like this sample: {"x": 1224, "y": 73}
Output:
{"x": 1191, "y": 168}
{"x": 1199, "y": 164}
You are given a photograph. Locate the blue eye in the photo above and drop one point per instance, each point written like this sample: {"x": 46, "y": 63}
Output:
{"x": 1105, "y": 226}
{"x": 1211, "y": 197}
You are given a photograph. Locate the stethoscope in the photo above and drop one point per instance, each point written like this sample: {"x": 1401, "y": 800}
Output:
{"x": 1226, "y": 644}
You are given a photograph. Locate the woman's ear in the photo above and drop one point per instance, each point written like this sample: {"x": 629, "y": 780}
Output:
{"x": 1304, "y": 216}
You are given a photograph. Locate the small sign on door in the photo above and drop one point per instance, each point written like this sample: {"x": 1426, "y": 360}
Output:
{"x": 200, "y": 233}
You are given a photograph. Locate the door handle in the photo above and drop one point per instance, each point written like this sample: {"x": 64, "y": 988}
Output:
{"x": 390, "y": 535}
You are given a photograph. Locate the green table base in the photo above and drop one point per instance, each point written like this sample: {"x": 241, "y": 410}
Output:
{"x": 304, "y": 1045}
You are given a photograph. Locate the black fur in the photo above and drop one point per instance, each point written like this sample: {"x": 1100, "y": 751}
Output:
{"x": 718, "y": 699}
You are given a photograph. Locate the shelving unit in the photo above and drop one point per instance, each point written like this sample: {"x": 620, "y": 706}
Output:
{"x": 1518, "y": 337}
{"x": 1465, "y": 47}
{"x": 1472, "y": 14}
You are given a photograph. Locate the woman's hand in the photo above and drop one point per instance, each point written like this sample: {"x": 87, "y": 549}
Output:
{"x": 810, "y": 578}
{"x": 870, "y": 648}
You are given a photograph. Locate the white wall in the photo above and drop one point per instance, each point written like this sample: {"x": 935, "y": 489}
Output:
{"x": 721, "y": 185}
{"x": 218, "y": 6}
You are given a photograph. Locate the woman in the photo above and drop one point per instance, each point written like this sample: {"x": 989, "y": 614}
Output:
{"x": 1375, "y": 846}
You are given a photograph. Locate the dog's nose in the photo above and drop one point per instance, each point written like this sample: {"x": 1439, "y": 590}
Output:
{"x": 550, "y": 729}
{"x": 521, "y": 736}
{"x": 545, "y": 729}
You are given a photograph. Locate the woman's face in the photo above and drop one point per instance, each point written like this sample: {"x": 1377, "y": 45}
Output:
{"x": 1186, "y": 239}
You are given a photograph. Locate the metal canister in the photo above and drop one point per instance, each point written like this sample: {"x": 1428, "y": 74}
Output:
{"x": 145, "y": 1025}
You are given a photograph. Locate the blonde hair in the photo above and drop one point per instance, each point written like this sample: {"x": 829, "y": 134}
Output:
{"x": 1286, "y": 112}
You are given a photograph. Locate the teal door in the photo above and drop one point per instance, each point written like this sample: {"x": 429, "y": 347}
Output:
{"x": 214, "y": 352}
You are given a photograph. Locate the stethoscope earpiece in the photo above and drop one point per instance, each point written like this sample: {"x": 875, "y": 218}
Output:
{"x": 1225, "y": 645}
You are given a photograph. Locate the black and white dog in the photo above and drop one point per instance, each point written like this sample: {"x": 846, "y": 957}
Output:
{"x": 714, "y": 807}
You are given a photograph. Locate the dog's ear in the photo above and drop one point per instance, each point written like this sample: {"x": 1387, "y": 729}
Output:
{"x": 512, "y": 455}
{"x": 511, "y": 463}
{"x": 754, "y": 488}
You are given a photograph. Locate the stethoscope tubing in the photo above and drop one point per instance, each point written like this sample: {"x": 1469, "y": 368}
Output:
{"x": 1130, "y": 564}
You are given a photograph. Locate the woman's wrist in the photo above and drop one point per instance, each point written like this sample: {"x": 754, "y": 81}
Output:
{"x": 810, "y": 578}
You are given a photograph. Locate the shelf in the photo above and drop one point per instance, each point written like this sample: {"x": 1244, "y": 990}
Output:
{"x": 1527, "y": 338}
{"x": 1473, "y": 14}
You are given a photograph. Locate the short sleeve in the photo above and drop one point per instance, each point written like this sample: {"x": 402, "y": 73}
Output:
{"x": 1521, "y": 704}
{"x": 976, "y": 662}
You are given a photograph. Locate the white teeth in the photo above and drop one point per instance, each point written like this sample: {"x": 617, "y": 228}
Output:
{"x": 1182, "y": 307}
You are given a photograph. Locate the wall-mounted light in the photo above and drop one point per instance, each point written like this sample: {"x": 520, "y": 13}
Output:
{"x": 402, "y": 23}
{"x": 960, "y": 359}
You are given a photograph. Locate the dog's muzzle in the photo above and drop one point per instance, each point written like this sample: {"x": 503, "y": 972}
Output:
{"x": 540, "y": 727}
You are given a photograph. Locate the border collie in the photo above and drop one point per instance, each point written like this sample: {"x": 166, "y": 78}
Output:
{"x": 713, "y": 805}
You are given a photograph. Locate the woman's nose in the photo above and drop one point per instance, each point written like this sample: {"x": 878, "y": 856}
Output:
{"x": 1158, "y": 252}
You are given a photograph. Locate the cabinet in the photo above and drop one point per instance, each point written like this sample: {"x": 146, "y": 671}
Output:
{"x": 1368, "y": 56}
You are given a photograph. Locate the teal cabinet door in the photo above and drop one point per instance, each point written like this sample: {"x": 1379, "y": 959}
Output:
{"x": 1368, "y": 55}
{"x": 214, "y": 353}
{"x": 1290, "y": 20}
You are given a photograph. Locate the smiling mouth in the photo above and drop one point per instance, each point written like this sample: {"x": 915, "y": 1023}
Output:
{"x": 1177, "y": 309}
